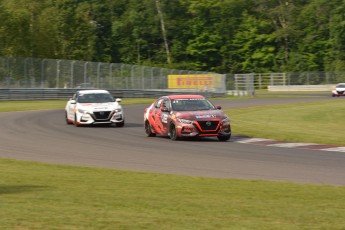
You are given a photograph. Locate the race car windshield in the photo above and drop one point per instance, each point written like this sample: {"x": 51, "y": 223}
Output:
{"x": 191, "y": 104}
{"x": 95, "y": 98}
{"x": 341, "y": 86}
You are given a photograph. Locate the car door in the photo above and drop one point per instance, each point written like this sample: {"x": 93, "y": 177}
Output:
{"x": 71, "y": 107}
{"x": 156, "y": 116}
{"x": 165, "y": 115}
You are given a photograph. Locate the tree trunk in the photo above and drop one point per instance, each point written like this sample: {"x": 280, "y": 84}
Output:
{"x": 166, "y": 45}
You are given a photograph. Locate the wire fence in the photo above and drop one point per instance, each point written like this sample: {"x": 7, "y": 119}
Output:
{"x": 55, "y": 73}
{"x": 257, "y": 81}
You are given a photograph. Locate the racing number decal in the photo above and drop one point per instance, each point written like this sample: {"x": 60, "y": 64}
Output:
{"x": 164, "y": 118}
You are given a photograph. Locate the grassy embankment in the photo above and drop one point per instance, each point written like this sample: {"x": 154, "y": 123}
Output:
{"x": 42, "y": 196}
{"x": 317, "y": 122}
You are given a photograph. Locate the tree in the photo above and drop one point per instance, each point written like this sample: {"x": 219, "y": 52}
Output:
{"x": 314, "y": 43}
{"x": 337, "y": 30}
{"x": 164, "y": 33}
{"x": 254, "y": 47}
{"x": 282, "y": 13}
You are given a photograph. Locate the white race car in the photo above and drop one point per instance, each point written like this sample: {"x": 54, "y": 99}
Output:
{"x": 90, "y": 107}
{"x": 338, "y": 90}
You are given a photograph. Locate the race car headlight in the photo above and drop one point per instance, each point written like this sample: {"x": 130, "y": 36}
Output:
{"x": 118, "y": 110}
{"x": 82, "y": 110}
{"x": 184, "y": 121}
{"x": 226, "y": 120}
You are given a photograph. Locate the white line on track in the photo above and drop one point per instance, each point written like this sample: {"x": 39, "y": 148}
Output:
{"x": 250, "y": 140}
{"x": 336, "y": 149}
{"x": 290, "y": 145}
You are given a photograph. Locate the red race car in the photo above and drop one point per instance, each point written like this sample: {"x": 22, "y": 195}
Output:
{"x": 180, "y": 116}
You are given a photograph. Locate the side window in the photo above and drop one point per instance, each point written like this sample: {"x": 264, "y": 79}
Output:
{"x": 158, "y": 103}
{"x": 166, "y": 103}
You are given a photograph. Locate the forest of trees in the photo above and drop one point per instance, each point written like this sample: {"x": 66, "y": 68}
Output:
{"x": 224, "y": 36}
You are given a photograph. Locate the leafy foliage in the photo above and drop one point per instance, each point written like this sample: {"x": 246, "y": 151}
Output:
{"x": 228, "y": 36}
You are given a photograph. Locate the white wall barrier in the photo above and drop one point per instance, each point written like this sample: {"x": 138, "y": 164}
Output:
{"x": 300, "y": 87}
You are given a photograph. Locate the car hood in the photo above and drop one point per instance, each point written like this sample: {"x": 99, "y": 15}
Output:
{"x": 99, "y": 106}
{"x": 201, "y": 115}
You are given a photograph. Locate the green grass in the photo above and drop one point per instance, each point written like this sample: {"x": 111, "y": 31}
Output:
{"x": 43, "y": 196}
{"x": 7, "y": 106}
{"x": 318, "y": 122}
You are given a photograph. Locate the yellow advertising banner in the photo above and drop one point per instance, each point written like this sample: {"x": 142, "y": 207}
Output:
{"x": 194, "y": 81}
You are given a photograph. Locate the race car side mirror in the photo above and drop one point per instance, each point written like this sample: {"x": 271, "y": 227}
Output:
{"x": 73, "y": 101}
{"x": 219, "y": 107}
{"x": 118, "y": 100}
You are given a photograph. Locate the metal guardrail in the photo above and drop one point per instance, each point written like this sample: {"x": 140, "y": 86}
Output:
{"x": 56, "y": 94}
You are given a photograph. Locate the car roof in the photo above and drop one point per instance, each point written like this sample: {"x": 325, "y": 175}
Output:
{"x": 186, "y": 96}
{"x": 91, "y": 91}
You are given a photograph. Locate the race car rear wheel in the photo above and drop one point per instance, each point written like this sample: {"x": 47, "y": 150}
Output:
{"x": 223, "y": 137}
{"x": 148, "y": 130}
{"x": 173, "y": 133}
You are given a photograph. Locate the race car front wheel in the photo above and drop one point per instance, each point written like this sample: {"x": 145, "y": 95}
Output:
{"x": 67, "y": 120}
{"x": 173, "y": 133}
{"x": 224, "y": 137}
{"x": 76, "y": 121}
{"x": 148, "y": 130}
{"x": 120, "y": 124}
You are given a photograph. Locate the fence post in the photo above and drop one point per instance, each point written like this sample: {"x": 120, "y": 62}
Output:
{"x": 85, "y": 71}
{"x": 42, "y": 72}
{"x": 98, "y": 73}
{"x": 111, "y": 75}
{"x": 58, "y": 74}
{"x": 143, "y": 77}
{"x": 26, "y": 71}
{"x": 72, "y": 74}
{"x": 132, "y": 73}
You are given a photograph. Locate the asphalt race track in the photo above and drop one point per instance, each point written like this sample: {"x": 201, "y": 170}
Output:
{"x": 44, "y": 136}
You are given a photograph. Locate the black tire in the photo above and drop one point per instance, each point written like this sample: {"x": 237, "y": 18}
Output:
{"x": 223, "y": 137}
{"x": 68, "y": 122}
{"x": 148, "y": 130}
{"x": 120, "y": 124}
{"x": 173, "y": 133}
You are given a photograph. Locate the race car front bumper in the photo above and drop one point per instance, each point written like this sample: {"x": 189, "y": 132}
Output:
{"x": 338, "y": 93}
{"x": 100, "y": 117}
{"x": 204, "y": 129}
